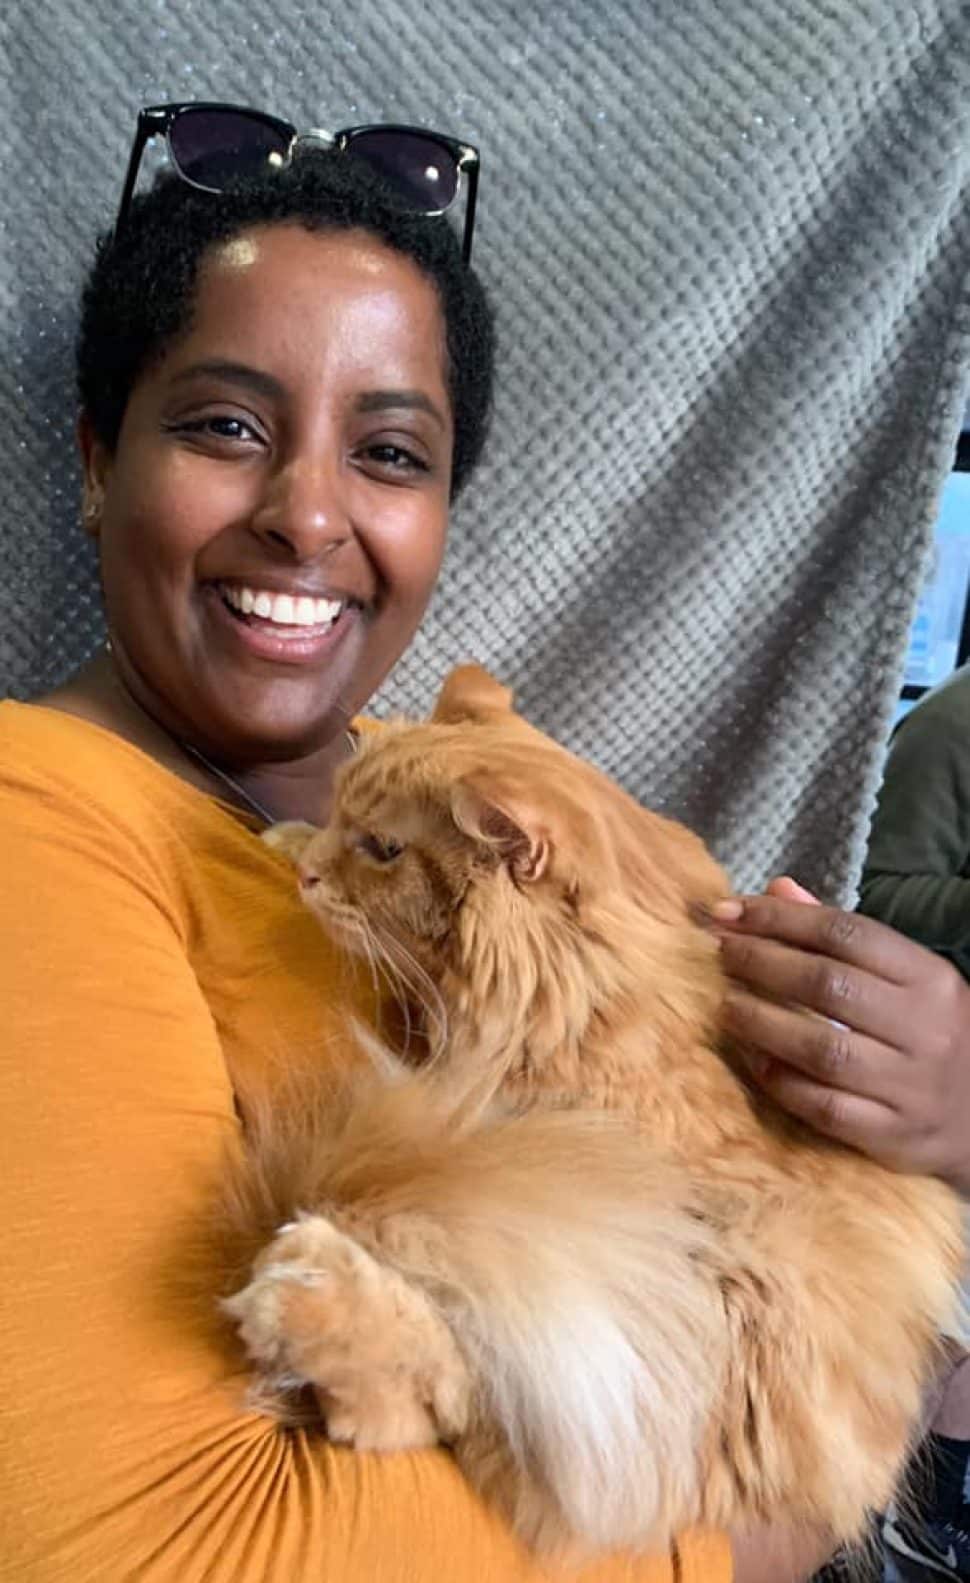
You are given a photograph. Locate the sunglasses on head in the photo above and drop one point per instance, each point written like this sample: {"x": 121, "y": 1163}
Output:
{"x": 212, "y": 144}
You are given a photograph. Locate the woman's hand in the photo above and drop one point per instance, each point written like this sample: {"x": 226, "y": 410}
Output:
{"x": 884, "y": 1062}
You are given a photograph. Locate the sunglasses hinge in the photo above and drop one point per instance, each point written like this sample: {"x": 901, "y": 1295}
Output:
{"x": 316, "y": 134}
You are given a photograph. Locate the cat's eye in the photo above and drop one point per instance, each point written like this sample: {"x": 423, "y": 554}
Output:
{"x": 380, "y": 848}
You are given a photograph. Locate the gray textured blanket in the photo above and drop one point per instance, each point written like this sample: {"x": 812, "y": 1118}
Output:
{"x": 729, "y": 242}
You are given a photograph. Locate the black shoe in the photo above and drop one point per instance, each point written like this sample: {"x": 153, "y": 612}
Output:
{"x": 930, "y": 1551}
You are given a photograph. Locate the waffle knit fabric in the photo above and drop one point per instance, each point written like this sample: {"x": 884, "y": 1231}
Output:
{"x": 729, "y": 246}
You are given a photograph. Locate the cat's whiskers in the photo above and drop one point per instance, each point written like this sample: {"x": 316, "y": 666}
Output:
{"x": 350, "y": 926}
{"x": 414, "y": 977}
{"x": 382, "y": 965}
{"x": 382, "y": 969}
{"x": 370, "y": 956}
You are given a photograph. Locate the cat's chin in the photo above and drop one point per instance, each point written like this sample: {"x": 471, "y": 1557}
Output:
{"x": 339, "y": 923}
{"x": 346, "y": 937}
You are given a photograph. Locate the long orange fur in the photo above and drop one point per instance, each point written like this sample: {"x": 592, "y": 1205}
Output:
{"x": 559, "y": 1232}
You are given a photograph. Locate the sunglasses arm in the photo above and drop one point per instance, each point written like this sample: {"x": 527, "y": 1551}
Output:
{"x": 471, "y": 171}
{"x": 150, "y": 122}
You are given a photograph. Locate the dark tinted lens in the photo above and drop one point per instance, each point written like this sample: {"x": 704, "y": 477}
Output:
{"x": 211, "y": 147}
{"x": 420, "y": 170}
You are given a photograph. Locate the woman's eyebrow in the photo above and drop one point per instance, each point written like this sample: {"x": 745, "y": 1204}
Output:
{"x": 267, "y": 385}
{"x": 235, "y": 374}
{"x": 381, "y": 400}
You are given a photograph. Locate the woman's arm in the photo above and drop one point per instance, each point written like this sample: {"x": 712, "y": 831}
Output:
{"x": 919, "y": 846}
{"x": 127, "y": 1450}
{"x": 775, "y": 1555}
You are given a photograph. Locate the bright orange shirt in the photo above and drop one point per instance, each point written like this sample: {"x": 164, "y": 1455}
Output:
{"x": 155, "y": 954}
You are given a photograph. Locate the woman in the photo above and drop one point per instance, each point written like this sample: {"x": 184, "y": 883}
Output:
{"x": 282, "y": 387}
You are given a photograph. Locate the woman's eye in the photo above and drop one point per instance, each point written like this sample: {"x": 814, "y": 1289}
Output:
{"x": 396, "y": 458}
{"x": 218, "y": 427}
{"x": 380, "y": 848}
{"x": 230, "y": 428}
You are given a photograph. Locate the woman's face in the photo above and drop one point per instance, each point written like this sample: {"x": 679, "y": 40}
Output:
{"x": 273, "y": 518}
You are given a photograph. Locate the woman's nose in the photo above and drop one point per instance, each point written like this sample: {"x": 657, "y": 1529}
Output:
{"x": 303, "y": 510}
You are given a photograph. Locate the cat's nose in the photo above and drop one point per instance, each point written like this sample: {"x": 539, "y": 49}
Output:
{"x": 308, "y": 878}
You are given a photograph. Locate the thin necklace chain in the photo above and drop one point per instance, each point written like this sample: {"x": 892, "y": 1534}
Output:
{"x": 242, "y": 794}
{"x": 215, "y": 770}
{"x": 245, "y": 797}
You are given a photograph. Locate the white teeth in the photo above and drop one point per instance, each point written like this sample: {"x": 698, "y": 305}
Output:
{"x": 284, "y": 610}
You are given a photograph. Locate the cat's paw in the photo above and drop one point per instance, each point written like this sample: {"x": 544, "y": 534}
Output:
{"x": 320, "y": 1310}
{"x": 291, "y": 837}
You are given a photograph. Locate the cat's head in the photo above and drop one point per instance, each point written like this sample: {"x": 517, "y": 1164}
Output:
{"x": 481, "y": 852}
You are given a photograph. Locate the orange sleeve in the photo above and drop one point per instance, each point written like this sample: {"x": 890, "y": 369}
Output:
{"x": 126, "y": 1448}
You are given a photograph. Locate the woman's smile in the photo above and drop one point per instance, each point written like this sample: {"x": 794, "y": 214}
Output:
{"x": 289, "y": 629}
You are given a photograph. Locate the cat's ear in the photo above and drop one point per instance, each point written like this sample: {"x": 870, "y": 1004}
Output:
{"x": 497, "y": 818}
{"x": 470, "y": 693}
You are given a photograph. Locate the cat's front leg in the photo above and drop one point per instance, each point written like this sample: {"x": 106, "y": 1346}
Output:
{"x": 320, "y": 1310}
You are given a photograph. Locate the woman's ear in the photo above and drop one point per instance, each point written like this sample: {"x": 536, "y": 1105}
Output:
{"x": 516, "y": 833}
{"x": 96, "y": 466}
{"x": 470, "y": 693}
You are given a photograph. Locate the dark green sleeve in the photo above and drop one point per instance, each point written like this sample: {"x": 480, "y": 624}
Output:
{"x": 916, "y": 873}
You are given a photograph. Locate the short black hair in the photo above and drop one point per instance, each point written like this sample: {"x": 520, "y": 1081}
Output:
{"x": 141, "y": 287}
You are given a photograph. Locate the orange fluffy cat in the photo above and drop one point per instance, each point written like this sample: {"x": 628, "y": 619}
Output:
{"x": 569, "y": 1242}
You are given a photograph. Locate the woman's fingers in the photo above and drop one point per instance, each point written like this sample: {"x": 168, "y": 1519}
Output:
{"x": 884, "y": 1064}
{"x": 845, "y": 937}
{"x": 848, "y": 1118}
{"x": 790, "y": 890}
{"x": 824, "y": 1076}
{"x": 827, "y": 1052}
{"x": 823, "y": 984}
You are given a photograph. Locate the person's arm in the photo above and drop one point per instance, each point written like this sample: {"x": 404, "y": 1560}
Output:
{"x": 126, "y": 1447}
{"x": 919, "y": 844}
{"x": 780, "y": 1555}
